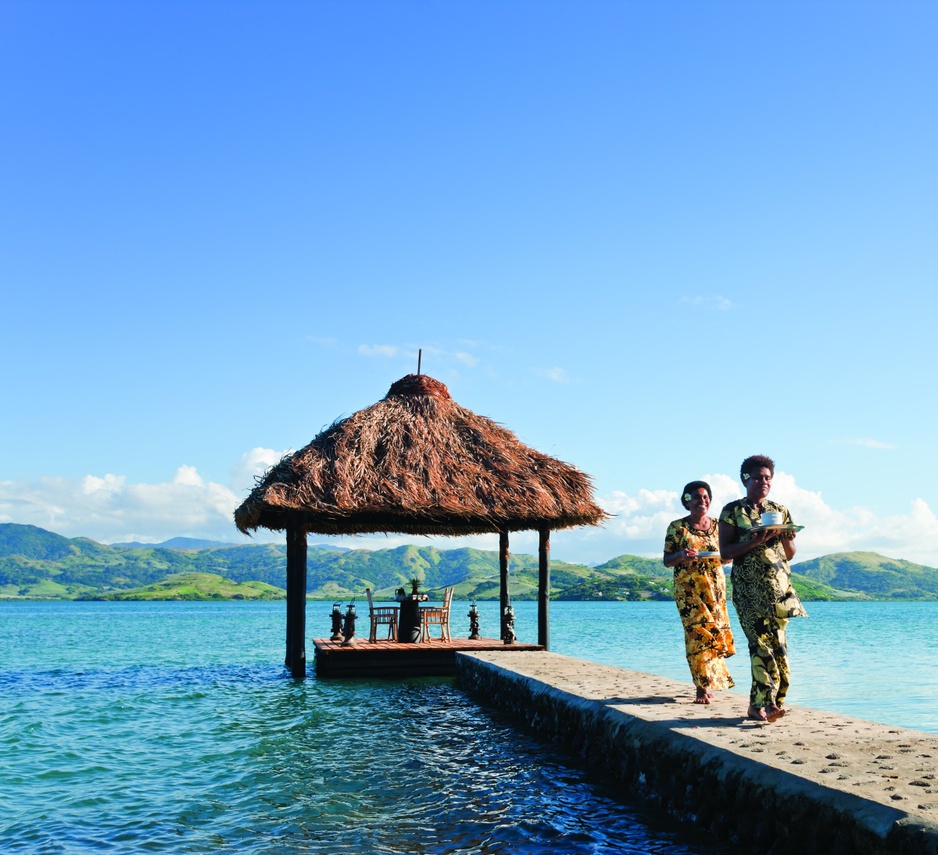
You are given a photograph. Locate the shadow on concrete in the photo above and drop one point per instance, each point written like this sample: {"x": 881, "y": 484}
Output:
{"x": 713, "y": 720}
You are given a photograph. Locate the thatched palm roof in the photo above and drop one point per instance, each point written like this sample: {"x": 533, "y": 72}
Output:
{"x": 418, "y": 463}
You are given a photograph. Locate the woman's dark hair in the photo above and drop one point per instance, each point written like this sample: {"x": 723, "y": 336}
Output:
{"x": 689, "y": 488}
{"x": 756, "y": 461}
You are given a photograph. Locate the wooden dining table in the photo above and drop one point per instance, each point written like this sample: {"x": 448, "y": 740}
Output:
{"x": 408, "y": 621}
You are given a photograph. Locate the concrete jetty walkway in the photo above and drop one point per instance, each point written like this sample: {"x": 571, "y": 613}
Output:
{"x": 811, "y": 782}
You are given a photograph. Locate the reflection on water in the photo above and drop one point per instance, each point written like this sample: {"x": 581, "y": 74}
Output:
{"x": 113, "y": 742}
{"x": 173, "y": 727}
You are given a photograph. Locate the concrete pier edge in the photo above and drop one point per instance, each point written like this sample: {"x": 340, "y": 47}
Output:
{"x": 699, "y": 762}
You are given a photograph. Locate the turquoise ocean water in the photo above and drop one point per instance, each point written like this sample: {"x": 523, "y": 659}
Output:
{"x": 173, "y": 727}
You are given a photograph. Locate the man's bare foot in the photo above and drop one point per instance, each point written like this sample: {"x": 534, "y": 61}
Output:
{"x": 703, "y": 696}
{"x": 774, "y": 713}
{"x": 757, "y": 714}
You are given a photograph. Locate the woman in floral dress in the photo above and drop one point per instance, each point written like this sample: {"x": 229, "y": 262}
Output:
{"x": 700, "y": 592}
{"x": 762, "y": 591}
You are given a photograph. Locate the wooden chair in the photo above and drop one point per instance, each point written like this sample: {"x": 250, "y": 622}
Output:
{"x": 381, "y": 616}
{"x": 434, "y": 616}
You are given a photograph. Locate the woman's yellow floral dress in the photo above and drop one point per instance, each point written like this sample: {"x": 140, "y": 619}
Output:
{"x": 700, "y": 594}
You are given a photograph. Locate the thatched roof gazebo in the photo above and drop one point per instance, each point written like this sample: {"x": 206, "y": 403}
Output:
{"x": 415, "y": 463}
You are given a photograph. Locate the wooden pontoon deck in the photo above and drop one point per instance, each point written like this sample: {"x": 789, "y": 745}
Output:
{"x": 433, "y": 658}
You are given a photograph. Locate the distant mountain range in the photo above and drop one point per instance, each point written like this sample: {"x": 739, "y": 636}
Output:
{"x": 175, "y": 543}
{"x": 193, "y": 543}
{"x": 39, "y": 564}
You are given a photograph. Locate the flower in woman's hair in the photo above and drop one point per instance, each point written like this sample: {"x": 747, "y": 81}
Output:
{"x": 745, "y": 476}
{"x": 687, "y": 497}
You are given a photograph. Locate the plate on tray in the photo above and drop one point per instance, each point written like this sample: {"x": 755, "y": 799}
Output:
{"x": 783, "y": 527}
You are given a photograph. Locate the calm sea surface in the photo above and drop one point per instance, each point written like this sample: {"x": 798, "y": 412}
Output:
{"x": 173, "y": 727}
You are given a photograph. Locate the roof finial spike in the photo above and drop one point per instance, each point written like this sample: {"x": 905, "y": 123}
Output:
{"x": 419, "y": 357}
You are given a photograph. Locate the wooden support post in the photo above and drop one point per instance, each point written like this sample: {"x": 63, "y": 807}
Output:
{"x": 296, "y": 600}
{"x": 288, "y": 658}
{"x": 543, "y": 588}
{"x": 504, "y": 598}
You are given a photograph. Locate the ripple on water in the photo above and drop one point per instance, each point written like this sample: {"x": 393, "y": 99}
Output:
{"x": 218, "y": 759}
{"x": 170, "y": 728}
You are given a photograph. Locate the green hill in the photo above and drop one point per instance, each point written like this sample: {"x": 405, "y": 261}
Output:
{"x": 626, "y": 577}
{"x": 198, "y": 586}
{"x": 877, "y": 577}
{"x": 634, "y": 564}
{"x": 39, "y": 564}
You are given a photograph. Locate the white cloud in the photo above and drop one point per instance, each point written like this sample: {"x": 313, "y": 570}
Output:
{"x": 466, "y": 359}
{"x": 188, "y": 475}
{"x": 91, "y": 484}
{"x": 641, "y": 520}
{"x": 434, "y": 356}
{"x": 645, "y": 516}
{"x": 251, "y": 466}
{"x": 866, "y": 443}
{"x": 912, "y": 535}
{"x": 108, "y": 508}
{"x": 386, "y": 351}
{"x": 556, "y": 375}
{"x": 326, "y": 342}
{"x": 715, "y": 301}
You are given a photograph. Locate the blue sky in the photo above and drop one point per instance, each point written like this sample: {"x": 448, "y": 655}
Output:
{"x": 650, "y": 238}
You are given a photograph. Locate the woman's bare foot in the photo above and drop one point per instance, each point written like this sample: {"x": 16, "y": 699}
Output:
{"x": 757, "y": 714}
{"x": 774, "y": 713}
{"x": 703, "y": 696}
